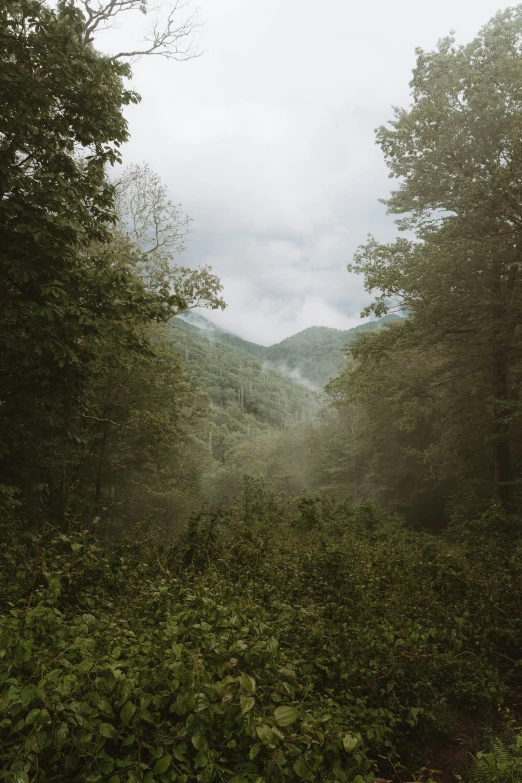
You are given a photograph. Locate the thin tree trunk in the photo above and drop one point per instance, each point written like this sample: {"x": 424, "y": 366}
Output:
{"x": 502, "y": 334}
{"x": 501, "y": 447}
{"x": 62, "y": 501}
{"x": 101, "y": 460}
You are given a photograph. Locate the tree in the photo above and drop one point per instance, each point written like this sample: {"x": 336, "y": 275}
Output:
{"x": 70, "y": 285}
{"x": 158, "y": 228}
{"x": 456, "y": 152}
{"x": 138, "y": 455}
{"x": 58, "y": 97}
{"x": 147, "y": 214}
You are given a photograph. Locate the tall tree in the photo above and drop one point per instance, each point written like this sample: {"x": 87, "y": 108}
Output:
{"x": 58, "y": 97}
{"x": 70, "y": 285}
{"x": 456, "y": 153}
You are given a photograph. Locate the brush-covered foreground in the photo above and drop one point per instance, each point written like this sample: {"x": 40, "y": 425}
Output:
{"x": 282, "y": 640}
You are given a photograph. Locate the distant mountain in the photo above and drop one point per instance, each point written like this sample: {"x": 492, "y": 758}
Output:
{"x": 310, "y": 357}
{"x": 316, "y": 354}
{"x": 214, "y": 333}
{"x": 247, "y": 395}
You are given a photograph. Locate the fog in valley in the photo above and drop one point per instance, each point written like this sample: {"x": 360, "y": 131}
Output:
{"x": 260, "y": 392}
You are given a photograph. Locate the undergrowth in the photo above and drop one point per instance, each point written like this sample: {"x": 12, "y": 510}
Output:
{"x": 277, "y": 641}
{"x": 501, "y": 763}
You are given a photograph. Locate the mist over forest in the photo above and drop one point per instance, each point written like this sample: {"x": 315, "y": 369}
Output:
{"x": 225, "y": 561}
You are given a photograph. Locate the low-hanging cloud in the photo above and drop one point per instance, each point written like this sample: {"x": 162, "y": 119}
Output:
{"x": 294, "y": 373}
{"x": 268, "y": 142}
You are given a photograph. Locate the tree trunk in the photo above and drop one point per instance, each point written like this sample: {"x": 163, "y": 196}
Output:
{"x": 502, "y": 335}
{"x": 501, "y": 449}
{"x": 99, "y": 471}
{"x": 62, "y": 502}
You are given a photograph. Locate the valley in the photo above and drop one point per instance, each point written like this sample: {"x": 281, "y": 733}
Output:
{"x": 311, "y": 357}
{"x": 230, "y": 562}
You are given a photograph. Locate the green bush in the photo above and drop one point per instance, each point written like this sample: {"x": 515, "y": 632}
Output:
{"x": 250, "y": 649}
{"x": 502, "y": 763}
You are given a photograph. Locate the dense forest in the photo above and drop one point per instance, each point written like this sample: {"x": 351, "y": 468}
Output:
{"x": 311, "y": 357}
{"x": 221, "y": 561}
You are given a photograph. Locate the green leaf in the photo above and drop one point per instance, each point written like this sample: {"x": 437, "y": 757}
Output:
{"x": 285, "y": 715}
{"x": 32, "y": 716}
{"x": 106, "y": 765}
{"x": 247, "y": 683}
{"x": 185, "y": 702}
{"x": 265, "y": 734}
{"x": 199, "y": 741}
{"x": 201, "y": 702}
{"x": 272, "y": 646}
{"x": 201, "y": 760}
{"x": 108, "y": 730}
{"x": 162, "y": 764}
{"x": 302, "y": 769}
{"x": 127, "y": 712}
{"x": 247, "y": 702}
{"x": 254, "y": 751}
{"x": 350, "y": 742}
{"x": 27, "y": 695}
{"x": 180, "y": 752}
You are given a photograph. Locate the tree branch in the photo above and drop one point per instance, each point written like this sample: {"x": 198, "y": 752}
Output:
{"x": 168, "y": 36}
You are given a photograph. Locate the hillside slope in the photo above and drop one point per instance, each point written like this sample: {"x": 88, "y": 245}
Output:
{"x": 316, "y": 353}
{"x": 311, "y": 356}
{"x": 246, "y": 396}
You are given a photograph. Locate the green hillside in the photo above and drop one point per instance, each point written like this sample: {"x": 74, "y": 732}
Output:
{"x": 248, "y": 385}
{"x": 198, "y": 324}
{"x": 316, "y": 353}
{"x": 247, "y": 397}
{"x": 311, "y": 356}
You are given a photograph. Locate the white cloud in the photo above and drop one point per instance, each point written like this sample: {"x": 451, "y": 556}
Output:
{"x": 268, "y": 142}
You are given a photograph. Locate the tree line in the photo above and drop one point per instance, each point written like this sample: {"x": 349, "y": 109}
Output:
{"x": 426, "y": 415}
{"x": 94, "y": 402}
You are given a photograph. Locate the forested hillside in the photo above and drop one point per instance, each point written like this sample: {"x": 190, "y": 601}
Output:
{"x": 214, "y": 333}
{"x": 316, "y": 354}
{"x": 246, "y": 396}
{"x": 208, "y": 572}
{"x": 311, "y": 357}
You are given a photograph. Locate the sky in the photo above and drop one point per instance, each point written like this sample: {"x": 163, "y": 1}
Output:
{"x": 267, "y": 141}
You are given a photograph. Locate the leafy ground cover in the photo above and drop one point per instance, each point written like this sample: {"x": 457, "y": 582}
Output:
{"x": 280, "y": 640}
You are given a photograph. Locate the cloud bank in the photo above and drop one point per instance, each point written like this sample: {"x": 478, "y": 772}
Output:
{"x": 268, "y": 142}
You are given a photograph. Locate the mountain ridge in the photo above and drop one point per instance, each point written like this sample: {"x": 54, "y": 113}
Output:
{"x": 247, "y": 396}
{"x": 310, "y": 357}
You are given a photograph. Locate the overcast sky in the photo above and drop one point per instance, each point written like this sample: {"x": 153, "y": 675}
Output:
{"x": 268, "y": 143}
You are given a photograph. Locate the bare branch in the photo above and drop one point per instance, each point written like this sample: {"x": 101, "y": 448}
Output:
{"x": 158, "y": 228}
{"x": 148, "y": 215}
{"x": 168, "y": 35}
{"x": 95, "y": 418}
